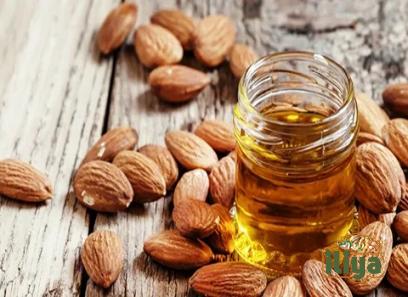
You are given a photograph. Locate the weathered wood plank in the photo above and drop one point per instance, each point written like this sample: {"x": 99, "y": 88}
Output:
{"x": 54, "y": 90}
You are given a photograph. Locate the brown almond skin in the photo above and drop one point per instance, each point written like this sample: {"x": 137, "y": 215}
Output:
{"x": 116, "y": 27}
{"x": 190, "y": 150}
{"x": 102, "y": 186}
{"x": 195, "y": 219}
{"x": 213, "y": 38}
{"x": 222, "y": 239}
{"x": 372, "y": 117}
{"x": 228, "y": 279}
{"x": 218, "y": 134}
{"x": 396, "y": 98}
{"x": 366, "y": 217}
{"x": 400, "y": 225}
{"x": 403, "y": 205}
{"x": 102, "y": 257}
{"x": 319, "y": 284}
{"x": 241, "y": 57}
{"x": 383, "y": 235}
{"x": 156, "y": 46}
{"x": 222, "y": 182}
{"x": 364, "y": 137}
{"x": 21, "y": 181}
{"x": 143, "y": 174}
{"x": 395, "y": 134}
{"x": 177, "y": 83}
{"x": 397, "y": 273}
{"x": 178, "y": 23}
{"x": 285, "y": 286}
{"x": 163, "y": 158}
{"x": 193, "y": 184}
{"x": 173, "y": 250}
{"x": 379, "y": 178}
{"x": 111, "y": 143}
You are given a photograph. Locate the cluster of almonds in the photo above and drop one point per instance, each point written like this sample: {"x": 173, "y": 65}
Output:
{"x": 161, "y": 45}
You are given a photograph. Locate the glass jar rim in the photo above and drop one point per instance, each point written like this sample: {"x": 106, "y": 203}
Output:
{"x": 306, "y": 54}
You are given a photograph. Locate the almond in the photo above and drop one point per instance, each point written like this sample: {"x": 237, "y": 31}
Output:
{"x": 379, "y": 178}
{"x": 156, "y": 46}
{"x": 163, "y": 158}
{"x": 103, "y": 187}
{"x": 401, "y": 225}
{"x": 222, "y": 239}
{"x": 240, "y": 57}
{"x": 177, "y": 83}
{"x": 222, "y": 182}
{"x": 372, "y": 117}
{"x": 397, "y": 273}
{"x": 173, "y": 250}
{"x": 364, "y": 137}
{"x": 213, "y": 38}
{"x": 102, "y": 257}
{"x": 395, "y": 134}
{"x": 111, "y": 143}
{"x": 178, "y": 23}
{"x": 144, "y": 175}
{"x": 380, "y": 233}
{"x": 228, "y": 279}
{"x": 366, "y": 217}
{"x": 404, "y": 199}
{"x": 319, "y": 284}
{"x": 195, "y": 218}
{"x": 396, "y": 98}
{"x": 116, "y": 27}
{"x": 190, "y": 150}
{"x": 193, "y": 184}
{"x": 218, "y": 134}
{"x": 285, "y": 286}
{"x": 21, "y": 181}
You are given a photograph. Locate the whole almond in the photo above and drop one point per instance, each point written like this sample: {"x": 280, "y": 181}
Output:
{"x": 103, "y": 187}
{"x": 213, "y": 38}
{"x": 111, "y": 143}
{"x": 193, "y": 184}
{"x": 173, "y": 250}
{"x": 144, "y": 175}
{"x": 156, "y": 46}
{"x": 285, "y": 286}
{"x": 102, "y": 257}
{"x": 372, "y": 117}
{"x": 177, "y": 83}
{"x": 222, "y": 239}
{"x": 218, "y": 134}
{"x": 364, "y": 137}
{"x": 222, "y": 182}
{"x": 163, "y": 158}
{"x": 366, "y": 217}
{"x": 395, "y": 134}
{"x": 382, "y": 234}
{"x": 400, "y": 225}
{"x": 190, "y": 150}
{"x": 195, "y": 219}
{"x": 21, "y": 181}
{"x": 396, "y": 98}
{"x": 240, "y": 57}
{"x": 228, "y": 279}
{"x": 116, "y": 27}
{"x": 178, "y": 23}
{"x": 379, "y": 178}
{"x": 397, "y": 273}
{"x": 319, "y": 284}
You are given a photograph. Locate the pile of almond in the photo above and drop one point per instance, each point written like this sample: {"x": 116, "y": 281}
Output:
{"x": 198, "y": 168}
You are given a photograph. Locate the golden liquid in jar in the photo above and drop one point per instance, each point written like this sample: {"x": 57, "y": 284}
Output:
{"x": 282, "y": 221}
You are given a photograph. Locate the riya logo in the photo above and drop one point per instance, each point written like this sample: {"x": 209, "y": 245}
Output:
{"x": 356, "y": 257}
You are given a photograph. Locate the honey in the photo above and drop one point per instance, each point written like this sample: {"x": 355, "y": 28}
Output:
{"x": 295, "y": 168}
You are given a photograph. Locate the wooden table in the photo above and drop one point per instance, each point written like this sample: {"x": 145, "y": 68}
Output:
{"x": 58, "y": 96}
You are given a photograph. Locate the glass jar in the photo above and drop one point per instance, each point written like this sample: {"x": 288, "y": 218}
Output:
{"x": 296, "y": 125}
